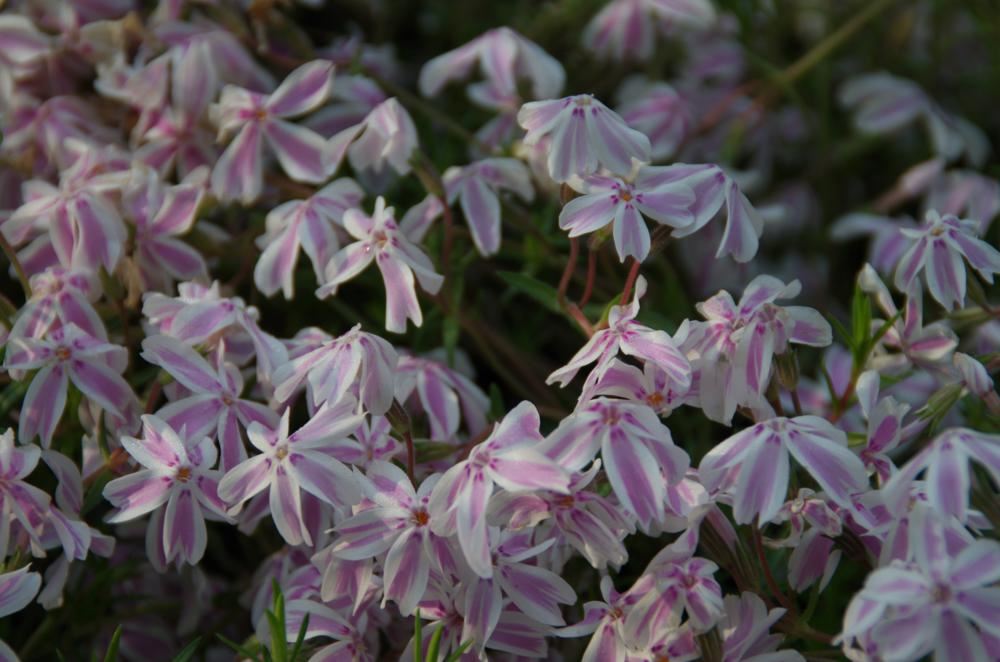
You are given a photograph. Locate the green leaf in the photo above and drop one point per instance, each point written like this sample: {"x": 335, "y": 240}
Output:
{"x": 276, "y": 625}
{"x": 435, "y": 643}
{"x": 541, "y": 292}
{"x": 188, "y": 652}
{"x": 300, "y": 639}
{"x": 457, "y": 654}
{"x": 112, "y": 654}
{"x": 239, "y": 648}
{"x": 418, "y": 637}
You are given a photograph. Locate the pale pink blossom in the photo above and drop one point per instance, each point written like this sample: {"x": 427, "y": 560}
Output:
{"x": 586, "y": 135}
{"x": 938, "y": 249}
{"x": 379, "y": 238}
{"x": 176, "y": 473}
{"x": 256, "y": 118}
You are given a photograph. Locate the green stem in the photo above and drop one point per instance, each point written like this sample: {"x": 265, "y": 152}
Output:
{"x": 832, "y": 42}
{"x": 16, "y": 263}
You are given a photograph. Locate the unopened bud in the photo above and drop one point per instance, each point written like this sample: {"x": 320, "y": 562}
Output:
{"x": 787, "y": 370}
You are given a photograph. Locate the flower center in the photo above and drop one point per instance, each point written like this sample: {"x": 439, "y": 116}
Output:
{"x": 941, "y": 594}
{"x": 282, "y": 452}
{"x": 421, "y": 518}
{"x": 565, "y": 501}
{"x": 655, "y": 399}
{"x": 583, "y": 100}
{"x": 260, "y": 114}
{"x": 183, "y": 474}
{"x": 626, "y": 196}
{"x": 937, "y": 231}
{"x": 63, "y": 353}
{"x": 610, "y": 417}
{"x": 381, "y": 239}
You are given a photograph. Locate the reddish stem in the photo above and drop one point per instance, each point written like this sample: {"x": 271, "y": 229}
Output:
{"x": 574, "y": 254}
{"x": 633, "y": 273}
{"x": 591, "y": 275}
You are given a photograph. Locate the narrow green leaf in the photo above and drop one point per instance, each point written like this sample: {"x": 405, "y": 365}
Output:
{"x": 457, "y": 655}
{"x": 435, "y": 643}
{"x": 300, "y": 639}
{"x": 112, "y": 654}
{"x": 239, "y": 648}
{"x": 541, "y": 292}
{"x": 418, "y": 637}
{"x": 188, "y": 651}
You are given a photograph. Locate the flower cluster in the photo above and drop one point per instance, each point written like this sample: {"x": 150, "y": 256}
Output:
{"x": 188, "y": 453}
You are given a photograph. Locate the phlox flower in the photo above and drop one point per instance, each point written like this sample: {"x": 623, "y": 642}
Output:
{"x": 306, "y": 225}
{"x": 387, "y": 136}
{"x": 160, "y": 214}
{"x": 59, "y": 297}
{"x": 445, "y": 395}
{"x": 606, "y": 620}
{"x": 200, "y": 315}
{"x": 813, "y": 526}
{"x": 624, "y": 334}
{"x": 882, "y": 103}
{"x": 476, "y": 187}
{"x": 714, "y": 189}
{"x": 288, "y": 463}
{"x": 938, "y": 249}
{"x": 918, "y": 344}
{"x": 659, "y": 111}
{"x": 176, "y": 472}
{"x": 735, "y": 347}
{"x": 651, "y": 385}
{"x": 68, "y": 354}
{"x": 214, "y": 406}
{"x": 533, "y": 589}
{"x": 351, "y": 633}
{"x": 17, "y": 589}
{"x": 303, "y": 154}
{"x": 589, "y": 522}
{"x": 626, "y": 29}
{"x": 752, "y": 465}
{"x": 504, "y": 56}
{"x": 337, "y": 365}
{"x": 637, "y": 450}
{"x": 379, "y": 238}
{"x": 946, "y": 461}
{"x": 78, "y": 218}
{"x": 586, "y": 135}
{"x": 20, "y": 501}
{"x": 177, "y": 139}
{"x": 942, "y": 601}
{"x": 745, "y": 627}
{"x": 624, "y": 202}
{"x": 397, "y": 523}
{"x": 885, "y": 425}
{"x": 509, "y": 458}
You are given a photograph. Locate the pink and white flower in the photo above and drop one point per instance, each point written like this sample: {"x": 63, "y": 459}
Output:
{"x": 178, "y": 473}
{"x": 940, "y": 245}
{"x": 288, "y": 463}
{"x": 621, "y": 201}
{"x": 477, "y": 187}
{"x": 337, "y": 366}
{"x": 306, "y": 225}
{"x": 379, "y": 238}
{"x": 941, "y": 602}
{"x": 946, "y": 462}
{"x": 510, "y": 458}
{"x": 214, "y": 406}
{"x": 256, "y": 118}
{"x": 626, "y": 29}
{"x": 586, "y": 135}
{"x": 624, "y": 334}
{"x": 64, "y": 355}
{"x": 504, "y": 56}
{"x": 752, "y": 465}
{"x": 637, "y": 450}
